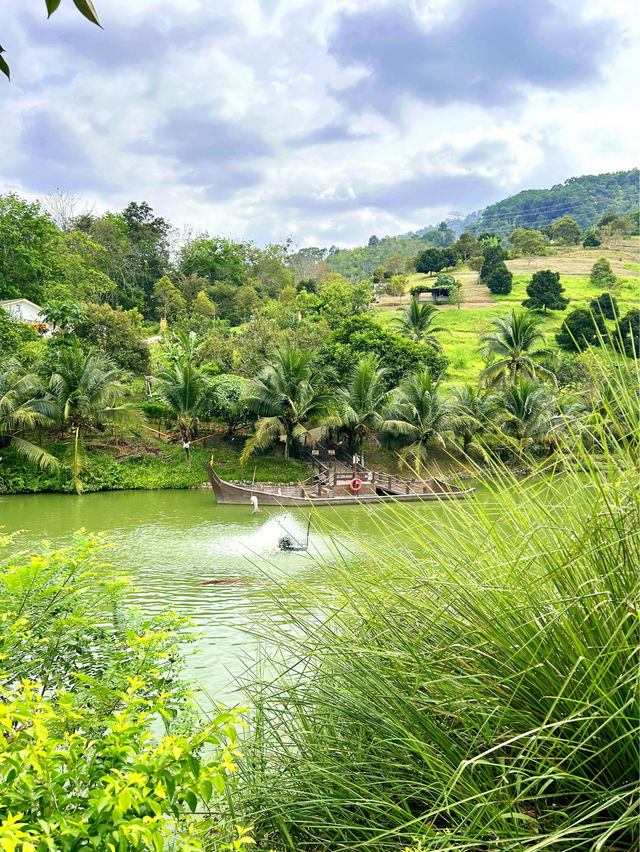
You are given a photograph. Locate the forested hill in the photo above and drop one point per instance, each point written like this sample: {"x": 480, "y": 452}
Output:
{"x": 584, "y": 198}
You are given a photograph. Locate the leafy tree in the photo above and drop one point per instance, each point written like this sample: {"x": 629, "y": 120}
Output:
{"x": 167, "y": 297}
{"x": 222, "y": 401}
{"x": 14, "y": 334}
{"x": 339, "y": 299}
{"x": 430, "y": 261}
{"x": 286, "y": 395}
{"x": 500, "y": 280}
{"x": 606, "y": 305}
{"x": 591, "y": 239}
{"x": 118, "y": 333}
{"x": 183, "y": 385}
{"x": 526, "y": 242}
{"x": 203, "y": 306}
{"x": 417, "y": 323}
{"x": 602, "y": 274}
{"x": 581, "y": 328}
{"x": 456, "y": 295}
{"x": 23, "y": 408}
{"x": 30, "y": 249}
{"x": 373, "y": 240}
{"x": 361, "y": 403}
{"x": 518, "y": 344}
{"x": 418, "y": 412}
{"x": 361, "y": 335}
{"x": 566, "y": 231}
{"x": 492, "y": 257}
{"x": 465, "y": 246}
{"x": 213, "y": 258}
{"x": 476, "y": 262}
{"x": 545, "y": 291}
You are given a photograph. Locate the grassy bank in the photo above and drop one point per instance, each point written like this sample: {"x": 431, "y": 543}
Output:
{"x": 149, "y": 465}
{"x": 472, "y": 683}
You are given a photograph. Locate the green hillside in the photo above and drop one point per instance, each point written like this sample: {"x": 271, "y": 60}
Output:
{"x": 584, "y": 198}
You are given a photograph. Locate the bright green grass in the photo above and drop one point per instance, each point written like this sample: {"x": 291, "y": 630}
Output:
{"x": 463, "y": 328}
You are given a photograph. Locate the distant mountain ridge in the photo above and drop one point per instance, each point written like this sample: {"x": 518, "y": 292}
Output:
{"x": 584, "y": 198}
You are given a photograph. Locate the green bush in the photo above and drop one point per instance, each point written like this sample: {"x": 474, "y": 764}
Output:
{"x": 500, "y": 280}
{"x": 360, "y": 335}
{"x": 580, "y": 329}
{"x": 79, "y": 764}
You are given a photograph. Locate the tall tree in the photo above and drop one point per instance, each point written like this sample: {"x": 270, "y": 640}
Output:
{"x": 566, "y": 231}
{"x": 525, "y": 409}
{"x": 516, "y": 342}
{"x": 287, "y": 395}
{"x": 471, "y": 416}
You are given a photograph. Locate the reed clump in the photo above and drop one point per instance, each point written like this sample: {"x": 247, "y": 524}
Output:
{"x": 472, "y": 684}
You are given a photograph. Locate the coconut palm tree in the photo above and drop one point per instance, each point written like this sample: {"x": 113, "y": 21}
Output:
{"x": 23, "y": 407}
{"x": 183, "y": 387}
{"x": 472, "y": 411}
{"x": 525, "y": 413}
{"x": 362, "y": 401}
{"x": 86, "y": 388}
{"x": 418, "y": 411}
{"x": 517, "y": 342}
{"x": 287, "y": 394}
{"x": 417, "y": 323}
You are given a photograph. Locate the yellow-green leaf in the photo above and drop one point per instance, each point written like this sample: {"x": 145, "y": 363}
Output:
{"x": 86, "y": 8}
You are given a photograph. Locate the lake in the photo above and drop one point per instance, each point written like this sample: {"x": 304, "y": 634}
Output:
{"x": 170, "y": 541}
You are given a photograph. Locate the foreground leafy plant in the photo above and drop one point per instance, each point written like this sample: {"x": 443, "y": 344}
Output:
{"x": 81, "y": 703}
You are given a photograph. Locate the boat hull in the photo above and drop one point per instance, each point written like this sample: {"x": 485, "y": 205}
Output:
{"x": 340, "y": 495}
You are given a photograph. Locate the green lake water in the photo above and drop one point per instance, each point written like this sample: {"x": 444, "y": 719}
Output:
{"x": 170, "y": 541}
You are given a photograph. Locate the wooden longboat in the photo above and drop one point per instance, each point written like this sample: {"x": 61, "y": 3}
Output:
{"x": 333, "y": 488}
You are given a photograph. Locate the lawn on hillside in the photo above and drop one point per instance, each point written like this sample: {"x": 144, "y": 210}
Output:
{"x": 464, "y": 327}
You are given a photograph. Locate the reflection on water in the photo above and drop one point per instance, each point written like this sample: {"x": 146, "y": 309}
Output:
{"x": 170, "y": 541}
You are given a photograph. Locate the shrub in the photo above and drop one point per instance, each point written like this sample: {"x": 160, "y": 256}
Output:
{"x": 591, "y": 239}
{"x": 606, "y": 305}
{"x": 580, "y": 329}
{"x": 626, "y": 337}
{"x": 79, "y": 764}
{"x": 602, "y": 274}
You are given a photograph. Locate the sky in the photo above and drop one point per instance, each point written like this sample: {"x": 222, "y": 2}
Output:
{"x": 323, "y": 121}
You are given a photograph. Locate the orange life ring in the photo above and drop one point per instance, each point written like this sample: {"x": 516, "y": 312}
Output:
{"x": 355, "y": 485}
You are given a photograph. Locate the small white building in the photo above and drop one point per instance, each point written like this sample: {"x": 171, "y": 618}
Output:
{"x": 22, "y": 310}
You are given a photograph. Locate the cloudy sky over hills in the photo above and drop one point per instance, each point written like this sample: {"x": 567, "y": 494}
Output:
{"x": 325, "y": 121}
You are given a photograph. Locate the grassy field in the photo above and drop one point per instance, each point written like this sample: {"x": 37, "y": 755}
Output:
{"x": 465, "y": 326}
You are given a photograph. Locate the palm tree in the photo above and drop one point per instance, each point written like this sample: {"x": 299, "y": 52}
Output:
{"x": 362, "y": 401}
{"x": 287, "y": 394}
{"x": 24, "y": 406}
{"x": 183, "y": 387}
{"x": 525, "y": 413}
{"x": 418, "y": 411}
{"x": 516, "y": 342}
{"x": 417, "y": 323}
{"x": 472, "y": 410}
{"x": 86, "y": 388}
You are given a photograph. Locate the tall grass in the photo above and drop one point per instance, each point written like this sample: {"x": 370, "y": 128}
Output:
{"x": 471, "y": 683}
